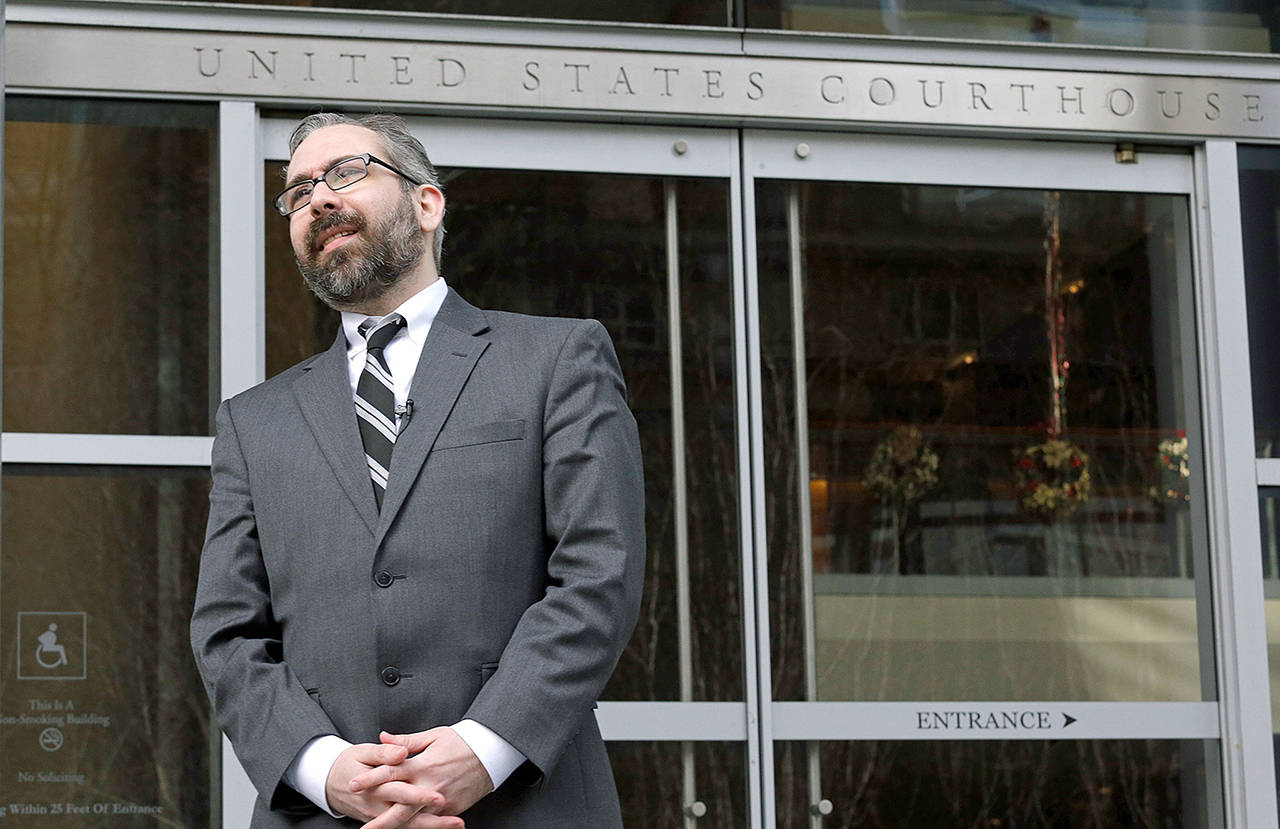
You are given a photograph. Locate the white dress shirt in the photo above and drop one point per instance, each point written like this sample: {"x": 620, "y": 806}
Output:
{"x": 309, "y": 771}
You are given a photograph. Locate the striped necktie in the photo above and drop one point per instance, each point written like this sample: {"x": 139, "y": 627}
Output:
{"x": 376, "y": 401}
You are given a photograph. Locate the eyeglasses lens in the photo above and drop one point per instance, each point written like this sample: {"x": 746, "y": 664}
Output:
{"x": 343, "y": 174}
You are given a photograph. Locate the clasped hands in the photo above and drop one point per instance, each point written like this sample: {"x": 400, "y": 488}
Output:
{"x": 414, "y": 781}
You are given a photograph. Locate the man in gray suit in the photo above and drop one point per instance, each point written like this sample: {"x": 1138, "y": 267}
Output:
{"x": 425, "y": 544}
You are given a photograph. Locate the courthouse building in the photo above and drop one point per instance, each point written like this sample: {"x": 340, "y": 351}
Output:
{"x": 950, "y": 328}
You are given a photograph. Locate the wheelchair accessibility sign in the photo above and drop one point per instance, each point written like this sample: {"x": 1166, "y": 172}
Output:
{"x": 52, "y": 645}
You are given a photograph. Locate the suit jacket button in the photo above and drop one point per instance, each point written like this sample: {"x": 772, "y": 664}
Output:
{"x": 390, "y": 676}
{"x": 384, "y": 578}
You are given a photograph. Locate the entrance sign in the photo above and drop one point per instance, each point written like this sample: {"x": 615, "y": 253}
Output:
{"x": 995, "y": 720}
{"x": 539, "y": 78}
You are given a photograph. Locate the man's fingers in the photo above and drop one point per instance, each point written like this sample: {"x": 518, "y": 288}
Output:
{"x": 407, "y": 794}
{"x": 377, "y": 776}
{"x": 375, "y": 754}
{"x": 395, "y": 817}
{"x": 390, "y": 755}
{"x": 413, "y": 743}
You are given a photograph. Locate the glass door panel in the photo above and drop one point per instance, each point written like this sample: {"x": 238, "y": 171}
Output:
{"x": 998, "y": 464}
{"x": 983, "y": 479}
{"x": 648, "y": 254}
{"x": 110, "y": 375}
{"x": 107, "y": 305}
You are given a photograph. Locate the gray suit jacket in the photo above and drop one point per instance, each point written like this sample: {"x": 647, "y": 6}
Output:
{"x": 500, "y": 581}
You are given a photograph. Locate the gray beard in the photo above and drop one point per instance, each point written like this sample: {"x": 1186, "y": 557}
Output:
{"x": 365, "y": 270}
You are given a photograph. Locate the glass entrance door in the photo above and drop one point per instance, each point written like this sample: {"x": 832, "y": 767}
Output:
{"x": 631, "y": 227}
{"x": 983, "y": 526}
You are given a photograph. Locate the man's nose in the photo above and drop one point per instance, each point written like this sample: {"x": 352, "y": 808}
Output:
{"x": 324, "y": 199}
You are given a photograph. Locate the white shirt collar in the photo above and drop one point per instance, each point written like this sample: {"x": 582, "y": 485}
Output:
{"x": 419, "y": 312}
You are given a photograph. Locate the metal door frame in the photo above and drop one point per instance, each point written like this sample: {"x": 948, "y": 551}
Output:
{"x": 248, "y": 141}
{"x": 1206, "y": 174}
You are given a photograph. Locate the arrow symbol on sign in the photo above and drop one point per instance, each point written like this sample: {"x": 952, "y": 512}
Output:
{"x": 1067, "y": 719}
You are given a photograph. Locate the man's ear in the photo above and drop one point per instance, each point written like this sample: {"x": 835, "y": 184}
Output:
{"x": 429, "y": 202}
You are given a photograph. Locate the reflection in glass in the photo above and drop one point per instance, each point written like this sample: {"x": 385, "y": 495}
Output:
{"x": 650, "y": 788}
{"x": 1001, "y": 468}
{"x": 1197, "y": 25}
{"x": 1260, "y": 228}
{"x": 107, "y": 226}
{"x": 595, "y": 246}
{"x": 118, "y": 582}
{"x": 1084, "y": 784}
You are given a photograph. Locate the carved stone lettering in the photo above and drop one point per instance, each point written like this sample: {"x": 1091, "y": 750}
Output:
{"x": 532, "y": 80}
{"x": 656, "y": 85}
{"x": 1022, "y": 88}
{"x": 256, "y": 60}
{"x": 882, "y": 91}
{"x": 1066, "y": 98}
{"x": 667, "y": 72}
{"x": 400, "y": 70}
{"x": 1214, "y": 111}
{"x": 1120, "y": 102}
{"x": 713, "y": 83}
{"x": 924, "y": 95}
{"x": 577, "y": 75}
{"x": 622, "y": 81}
{"x": 832, "y": 89}
{"x": 1164, "y": 104}
{"x": 354, "y": 61}
{"x": 1252, "y": 107}
{"x": 204, "y": 69}
{"x": 452, "y": 72}
{"x": 978, "y": 96}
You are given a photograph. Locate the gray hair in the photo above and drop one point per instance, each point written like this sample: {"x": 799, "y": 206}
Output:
{"x": 404, "y": 152}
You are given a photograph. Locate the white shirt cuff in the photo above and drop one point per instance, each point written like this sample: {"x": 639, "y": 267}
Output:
{"x": 497, "y": 756}
{"x": 309, "y": 771}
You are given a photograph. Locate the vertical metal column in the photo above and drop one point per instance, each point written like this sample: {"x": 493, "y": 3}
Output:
{"x": 691, "y": 807}
{"x": 242, "y": 330}
{"x": 1235, "y": 569}
{"x": 750, "y": 444}
{"x": 803, "y": 497}
{"x": 241, "y": 248}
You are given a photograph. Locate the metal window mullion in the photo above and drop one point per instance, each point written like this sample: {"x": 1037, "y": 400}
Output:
{"x": 105, "y": 450}
{"x": 242, "y": 325}
{"x": 680, "y": 495}
{"x": 241, "y": 249}
{"x": 804, "y": 503}
{"x": 749, "y": 407}
{"x": 759, "y": 571}
{"x": 1232, "y": 497}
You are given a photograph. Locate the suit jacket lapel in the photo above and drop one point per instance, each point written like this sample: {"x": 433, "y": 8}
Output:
{"x": 324, "y": 395}
{"x": 448, "y": 356}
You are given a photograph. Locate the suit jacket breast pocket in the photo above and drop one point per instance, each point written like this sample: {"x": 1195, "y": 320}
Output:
{"x": 495, "y": 432}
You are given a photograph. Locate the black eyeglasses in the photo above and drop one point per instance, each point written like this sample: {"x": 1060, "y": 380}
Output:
{"x": 343, "y": 174}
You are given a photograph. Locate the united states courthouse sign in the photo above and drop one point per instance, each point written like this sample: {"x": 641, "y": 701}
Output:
{"x": 540, "y": 78}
